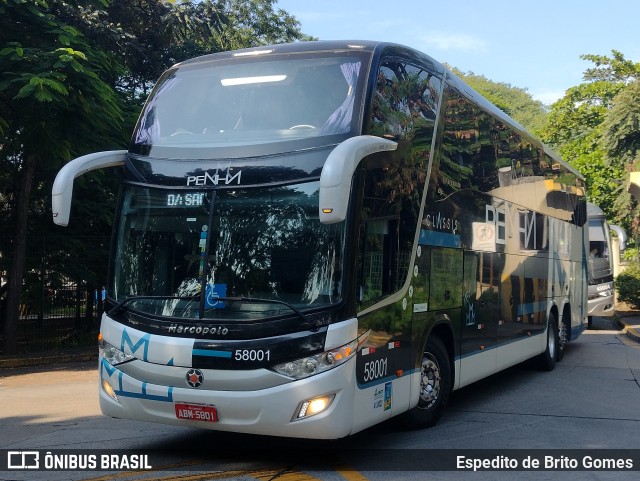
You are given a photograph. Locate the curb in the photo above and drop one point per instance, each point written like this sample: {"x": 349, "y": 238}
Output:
{"x": 631, "y": 327}
{"x": 48, "y": 360}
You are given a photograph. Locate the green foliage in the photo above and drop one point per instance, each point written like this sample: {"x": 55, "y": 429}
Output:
{"x": 74, "y": 76}
{"x": 631, "y": 254}
{"x": 582, "y": 109}
{"x": 613, "y": 69}
{"x": 621, "y": 127}
{"x": 595, "y": 128}
{"x": 54, "y": 103}
{"x": 628, "y": 286}
{"x": 155, "y": 34}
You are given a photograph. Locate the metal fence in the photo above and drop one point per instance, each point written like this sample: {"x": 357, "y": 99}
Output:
{"x": 63, "y": 292}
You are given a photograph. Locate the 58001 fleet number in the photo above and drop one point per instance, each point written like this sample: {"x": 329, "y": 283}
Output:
{"x": 375, "y": 369}
{"x": 252, "y": 355}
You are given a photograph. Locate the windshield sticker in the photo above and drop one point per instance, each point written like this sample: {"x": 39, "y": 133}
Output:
{"x": 203, "y": 248}
{"x": 213, "y": 294}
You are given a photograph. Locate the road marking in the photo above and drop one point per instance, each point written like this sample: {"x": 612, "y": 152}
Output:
{"x": 283, "y": 475}
{"x": 350, "y": 474}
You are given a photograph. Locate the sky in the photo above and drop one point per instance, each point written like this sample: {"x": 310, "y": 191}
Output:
{"x": 533, "y": 44}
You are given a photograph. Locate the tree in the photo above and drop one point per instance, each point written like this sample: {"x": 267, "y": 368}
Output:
{"x": 73, "y": 77}
{"x": 157, "y": 34}
{"x": 576, "y": 128}
{"x": 621, "y": 127}
{"x": 621, "y": 142}
{"x": 53, "y": 105}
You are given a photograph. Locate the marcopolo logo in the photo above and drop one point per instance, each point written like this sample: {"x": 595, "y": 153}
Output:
{"x": 198, "y": 329}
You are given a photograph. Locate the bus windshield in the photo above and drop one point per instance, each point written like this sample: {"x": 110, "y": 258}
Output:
{"x": 250, "y": 101}
{"x": 599, "y": 251}
{"x": 192, "y": 254}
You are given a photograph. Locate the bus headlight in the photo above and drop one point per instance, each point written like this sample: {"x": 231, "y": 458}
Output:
{"x": 112, "y": 354}
{"x": 311, "y": 365}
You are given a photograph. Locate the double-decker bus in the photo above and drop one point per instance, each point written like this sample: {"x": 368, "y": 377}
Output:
{"x": 600, "y": 272}
{"x": 312, "y": 238}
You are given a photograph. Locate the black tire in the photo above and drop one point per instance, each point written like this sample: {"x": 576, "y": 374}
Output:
{"x": 435, "y": 386}
{"x": 589, "y": 322}
{"x": 547, "y": 359}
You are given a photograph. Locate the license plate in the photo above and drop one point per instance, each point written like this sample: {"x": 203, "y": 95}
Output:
{"x": 196, "y": 412}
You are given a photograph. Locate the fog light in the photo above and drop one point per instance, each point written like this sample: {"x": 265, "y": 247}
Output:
{"x": 109, "y": 390}
{"x": 313, "y": 406}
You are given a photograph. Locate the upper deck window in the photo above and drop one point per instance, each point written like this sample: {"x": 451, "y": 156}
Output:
{"x": 249, "y": 101}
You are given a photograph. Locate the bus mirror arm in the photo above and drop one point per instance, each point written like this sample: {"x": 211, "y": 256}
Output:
{"x": 622, "y": 236}
{"x": 62, "y": 191}
{"x": 335, "y": 179}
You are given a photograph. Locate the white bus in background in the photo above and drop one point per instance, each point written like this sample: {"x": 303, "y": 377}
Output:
{"x": 312, "y": 238}
{"x": 601, "y": 263}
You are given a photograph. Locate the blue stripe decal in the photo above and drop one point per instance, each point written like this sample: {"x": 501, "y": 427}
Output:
{"x": 120, "y": 391}
{"x": 150, "y": 397}
{"x": 211, "y": 353}
{"x": 439, "y": 239}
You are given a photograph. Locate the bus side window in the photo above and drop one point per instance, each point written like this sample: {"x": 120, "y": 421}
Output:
{"x": 446, "y": 278}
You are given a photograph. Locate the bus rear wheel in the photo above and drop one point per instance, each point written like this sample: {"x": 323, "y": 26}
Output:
{"x": 563, "y": 336}
{"x": 435, "y": 386}
{"x": 549, "y": 356}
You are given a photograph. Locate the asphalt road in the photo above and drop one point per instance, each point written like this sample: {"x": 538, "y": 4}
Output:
{"x": 591, "y": 401}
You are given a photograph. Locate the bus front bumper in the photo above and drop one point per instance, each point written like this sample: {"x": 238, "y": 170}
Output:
{"x": 601, "y": 306}
{"x": 269, "y": 411}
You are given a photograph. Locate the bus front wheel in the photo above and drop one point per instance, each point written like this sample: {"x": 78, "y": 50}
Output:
{"x": 435, "y": 386}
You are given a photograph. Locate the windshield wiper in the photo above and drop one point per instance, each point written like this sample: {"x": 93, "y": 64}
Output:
{"x": 116, "y": 308}
{"x": 122, "y": 303}
{"x": 265, "y": 301}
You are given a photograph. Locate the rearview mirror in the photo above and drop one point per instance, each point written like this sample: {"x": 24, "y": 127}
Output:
{"x": 335, "y": 179}
{"x": 62, "y": 190}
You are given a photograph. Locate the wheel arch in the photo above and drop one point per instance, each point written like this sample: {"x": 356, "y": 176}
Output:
{"x": 443, "y": 329}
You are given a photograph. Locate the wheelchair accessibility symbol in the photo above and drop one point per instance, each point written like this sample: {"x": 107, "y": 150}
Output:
{"x": 213, "y": 293}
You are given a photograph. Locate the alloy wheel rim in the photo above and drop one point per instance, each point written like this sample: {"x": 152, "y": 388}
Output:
{"x": 429, "y": 381}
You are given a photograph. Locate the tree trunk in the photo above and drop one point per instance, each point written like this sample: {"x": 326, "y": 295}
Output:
{"x": 16, "y": 269}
